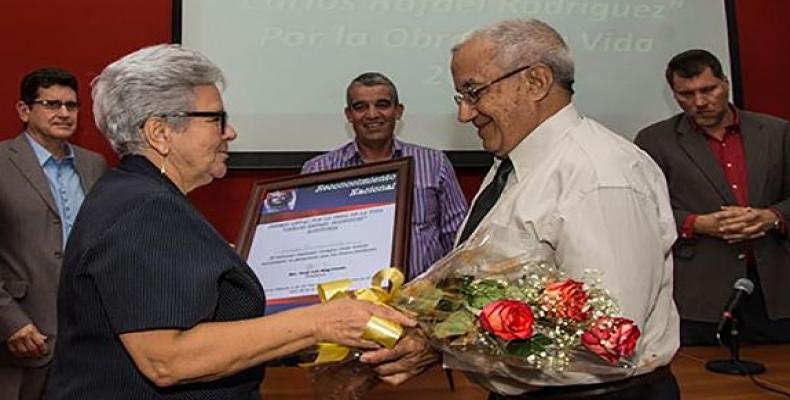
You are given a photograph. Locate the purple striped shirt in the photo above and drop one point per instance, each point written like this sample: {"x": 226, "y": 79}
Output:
{"x": 439, "y": 205}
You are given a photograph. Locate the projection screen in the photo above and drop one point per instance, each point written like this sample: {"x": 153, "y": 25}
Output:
{"x": 288, "y": 62}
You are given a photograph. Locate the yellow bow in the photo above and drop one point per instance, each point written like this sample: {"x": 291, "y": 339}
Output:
{"x": 379, "y": 330}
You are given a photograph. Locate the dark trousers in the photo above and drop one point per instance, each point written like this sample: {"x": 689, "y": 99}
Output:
{"x": 657, "y": 385}
{"x": 21, "y": 383}
{"x": 754, "y": 325}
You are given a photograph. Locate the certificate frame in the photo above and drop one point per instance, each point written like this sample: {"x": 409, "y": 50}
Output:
{"x": 259, "y": 213}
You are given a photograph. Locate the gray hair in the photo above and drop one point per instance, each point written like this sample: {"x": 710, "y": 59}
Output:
{"x": 521, "y": 42}
{"x": 151, "y": 81}
{"x": 373, "y": 79}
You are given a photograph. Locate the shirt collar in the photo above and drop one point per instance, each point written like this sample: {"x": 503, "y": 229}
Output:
{"x": 140, "y": 164}
{"x": 735, "y": 127}
{"x": 351, "y": 152}
{"x": 542, "y": 140}
{"x": 43, "y": 155}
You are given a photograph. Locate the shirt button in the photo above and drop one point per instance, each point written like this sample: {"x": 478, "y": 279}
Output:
{"x": 58, "y": 254}
{"x": 734, "y": 186}
{"x": 742, "y": 256}
{"x": 729, "y": 165}
{"x": 56, "y": 221}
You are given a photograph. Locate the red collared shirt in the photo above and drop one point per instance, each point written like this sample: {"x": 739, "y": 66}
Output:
{"x": 729, "y": 153}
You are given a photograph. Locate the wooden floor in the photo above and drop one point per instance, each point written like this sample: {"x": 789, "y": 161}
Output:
{"x": 688, "y": 367}
{"x": 697, "y": 383}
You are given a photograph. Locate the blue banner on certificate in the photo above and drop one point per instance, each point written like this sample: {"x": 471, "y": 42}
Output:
{"x": 312, "y": 229}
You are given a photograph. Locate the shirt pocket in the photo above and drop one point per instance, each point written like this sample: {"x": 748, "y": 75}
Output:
{"x": 16, "y": 289}
{"x": 683, "y": 249}
{"x": 426, "y": 208}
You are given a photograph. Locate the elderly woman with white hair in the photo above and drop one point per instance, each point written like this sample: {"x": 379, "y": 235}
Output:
{"x": 153, "y": 303}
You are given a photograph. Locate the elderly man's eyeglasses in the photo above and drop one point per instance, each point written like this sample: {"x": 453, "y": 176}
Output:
{"x": 55, "y": 105}
{"x": 219, "y": 116}
{"x": 471, "y": 94}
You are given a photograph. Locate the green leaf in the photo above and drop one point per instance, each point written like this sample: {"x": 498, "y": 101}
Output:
{"x": 525, "y": 348}
{"x": 456, "y": 324}
{"x": 450, "y": 302}
{"x": 480, "y": 293}
{"x": 421, "y": 302}
{"x": 455, "y": 283}
{"x": 513, "y": 292}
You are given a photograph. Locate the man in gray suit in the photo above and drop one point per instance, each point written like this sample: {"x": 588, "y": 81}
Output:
{"x": 43, "y": 182}
{"x": 728, "y": 172}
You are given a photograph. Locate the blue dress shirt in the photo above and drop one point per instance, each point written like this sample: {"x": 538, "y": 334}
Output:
{"x": 64, "y": 182}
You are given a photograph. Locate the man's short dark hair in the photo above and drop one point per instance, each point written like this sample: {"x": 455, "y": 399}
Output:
{"x": 44, "y": 78}
{"x": 373, "y": 79}
{"x": 691, "y": 63}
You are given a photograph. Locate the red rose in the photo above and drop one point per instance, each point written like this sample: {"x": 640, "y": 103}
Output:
{"x": 611, "y": 338}
{"x": 507, "y": 319}
{"x": 566, "y": 299}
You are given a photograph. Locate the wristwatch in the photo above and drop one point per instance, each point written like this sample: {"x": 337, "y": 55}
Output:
{"x": 777, "y": 225}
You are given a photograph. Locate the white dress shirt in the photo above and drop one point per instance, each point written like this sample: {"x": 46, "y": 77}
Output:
{"x": 592, "y": 200}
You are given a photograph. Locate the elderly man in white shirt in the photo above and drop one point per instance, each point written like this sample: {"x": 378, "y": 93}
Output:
{"x": 591, "y": 198}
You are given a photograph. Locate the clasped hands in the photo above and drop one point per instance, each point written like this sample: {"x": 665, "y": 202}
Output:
{"x": 344, "y": 321}
{"x": 736, "y": 223}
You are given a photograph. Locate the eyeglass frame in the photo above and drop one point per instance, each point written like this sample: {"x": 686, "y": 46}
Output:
{"x": 222, "y": 115}
{"x": 472, "y": 95}
{"x": 56, "y": 105}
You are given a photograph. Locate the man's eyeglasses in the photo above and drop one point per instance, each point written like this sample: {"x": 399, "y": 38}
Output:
{"x": 55, "y": 105}
{"x": 471, "y": 95}
{"x": 221, "y": 116}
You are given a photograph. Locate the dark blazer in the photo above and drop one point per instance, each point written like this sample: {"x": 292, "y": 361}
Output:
{"x": 706, "y": 267}
{"x": 31, "y": 243}
{"x": 141, "y": 257}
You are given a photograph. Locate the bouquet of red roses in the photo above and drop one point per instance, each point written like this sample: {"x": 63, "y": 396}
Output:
{"x": 495, "y": 314}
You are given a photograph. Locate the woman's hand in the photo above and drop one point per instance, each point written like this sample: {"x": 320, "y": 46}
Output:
{"x": 343, "y": 321}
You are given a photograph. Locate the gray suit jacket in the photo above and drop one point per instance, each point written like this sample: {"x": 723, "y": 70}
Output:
{"x": 31, "y": 243}
{"x": 706, "y": 267}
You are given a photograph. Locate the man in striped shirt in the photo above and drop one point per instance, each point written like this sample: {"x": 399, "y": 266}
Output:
{"x": 373, "y": 109}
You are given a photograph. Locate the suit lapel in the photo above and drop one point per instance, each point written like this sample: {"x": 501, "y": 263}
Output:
{"x": 698, "y": 150}
{"x": 25, "y": 161}
{"x": 88, "y": 173}
{"x": 753, "y": 144}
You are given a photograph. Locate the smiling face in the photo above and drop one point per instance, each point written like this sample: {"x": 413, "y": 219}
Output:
{"x": 504, "y": 115}
{"x": 50, "y": 127}
{"x": 372, "y": 113}
{"x": 198, "y": 154}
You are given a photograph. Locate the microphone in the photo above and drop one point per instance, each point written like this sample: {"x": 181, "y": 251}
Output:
{"x": 742, "y": 288}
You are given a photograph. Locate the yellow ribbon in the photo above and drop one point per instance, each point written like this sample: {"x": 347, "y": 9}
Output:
{"x": 379, "y": 330}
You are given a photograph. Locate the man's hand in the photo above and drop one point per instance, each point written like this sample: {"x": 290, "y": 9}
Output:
{"x": 743, "y": 223}
{"x": 27, "y": 342}
{"x": 409, "y": 358}
{"x": 709, "y": 224}
{"x": 735, "y": 223}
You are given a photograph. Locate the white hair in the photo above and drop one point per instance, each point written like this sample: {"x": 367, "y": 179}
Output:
{"x": 521, "y": 42}
{"x": 153, "y": 80}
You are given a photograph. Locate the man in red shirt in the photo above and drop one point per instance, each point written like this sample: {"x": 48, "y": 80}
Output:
{"x": 728, "y": 172}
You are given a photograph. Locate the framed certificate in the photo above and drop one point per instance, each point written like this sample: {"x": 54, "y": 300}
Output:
{"x": 303, "y": 230}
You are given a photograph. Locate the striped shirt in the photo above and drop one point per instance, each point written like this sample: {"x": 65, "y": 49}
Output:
{"x": 439, "y": 205}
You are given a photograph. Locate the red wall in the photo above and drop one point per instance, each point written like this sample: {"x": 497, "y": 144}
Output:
{"x": 84, "y": 35}
{"x": 81, "y": 36}
{"x": 764, "y": 35}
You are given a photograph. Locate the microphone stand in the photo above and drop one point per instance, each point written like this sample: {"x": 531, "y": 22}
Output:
{"x": 734, "y": 366}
